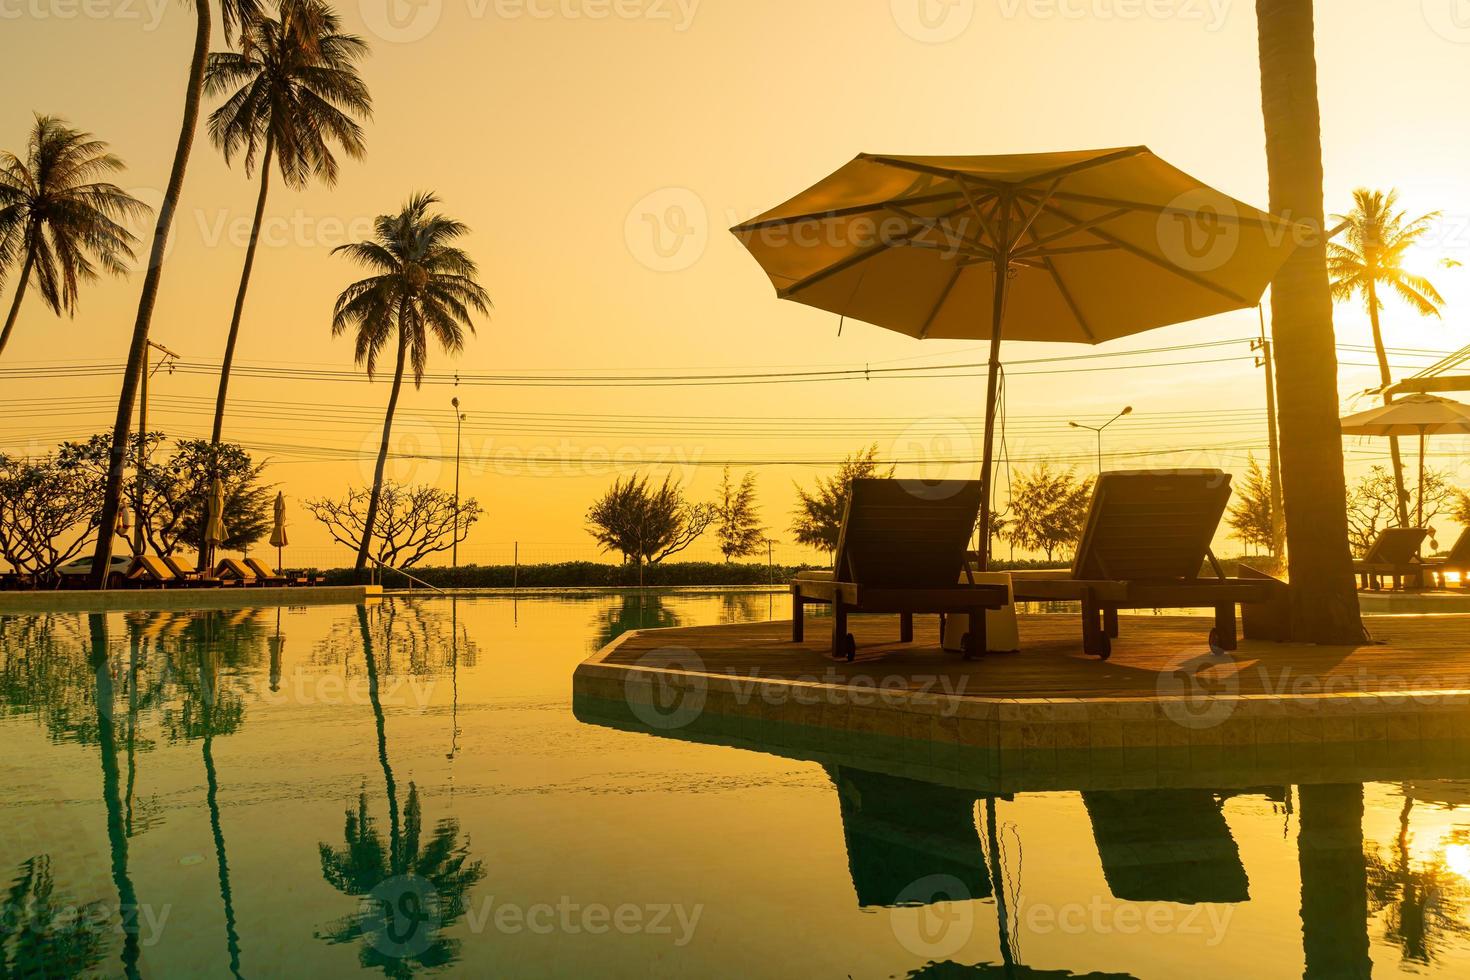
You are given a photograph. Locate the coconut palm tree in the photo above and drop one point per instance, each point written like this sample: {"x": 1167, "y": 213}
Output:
{"x": 234, "y": 14}
{"x": 1324, "y": 602}
{"x": 1372, "y": 260}
{"x": 58, "y": 220}
{"x": 293, "y": 92}
{"x": 422, "y": 285}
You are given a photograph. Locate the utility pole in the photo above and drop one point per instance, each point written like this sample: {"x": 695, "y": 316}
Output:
{"x": 167, "y": 361}
{"x": 1098, "y": 430}
{"x": 458, "y": 422}
{"x": 1278, "y": 522}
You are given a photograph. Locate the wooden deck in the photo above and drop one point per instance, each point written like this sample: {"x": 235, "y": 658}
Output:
{"x": 1418, "y": 653}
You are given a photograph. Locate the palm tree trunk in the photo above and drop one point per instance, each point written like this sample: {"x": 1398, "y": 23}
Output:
{"x": 224, "y": 370}
{"x": 112, "y": 495}
{"x": 1401, "y": 496}
{"x": 1334, "y": 883}
{"x": 1324, "y": 601}
{"x": 234, "y": 335}
{"x": 372, "y": 511}
{"x": 20, "y": 292}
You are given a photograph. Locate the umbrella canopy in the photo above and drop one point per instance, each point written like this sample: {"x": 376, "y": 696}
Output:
{"x": 278, "y": 532}
{"x": 1082, "y": 247}
{"x": 214, "y": 531}
{"x": 1415, "y": 415}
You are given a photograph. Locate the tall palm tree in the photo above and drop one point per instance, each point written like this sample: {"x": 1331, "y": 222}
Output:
{"x": 1378, "y": 235}
{"x": 423, "y": 285}
{"x": 294, "y": 89}
{"x": 60, "y": 218}
{"x": 1324, "y": 602}
{"x": 234, "y": 14}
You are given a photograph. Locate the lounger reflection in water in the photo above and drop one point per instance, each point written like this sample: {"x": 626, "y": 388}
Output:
{"x": 903, "y": 835}
{"x": 1166, "y": 845}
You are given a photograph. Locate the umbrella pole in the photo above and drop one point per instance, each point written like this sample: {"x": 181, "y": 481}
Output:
{"x": 1420, "y": 522}
{"x": 991, "y": 384}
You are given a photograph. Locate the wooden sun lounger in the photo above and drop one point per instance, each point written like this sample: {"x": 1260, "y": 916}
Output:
{"x": 264, "y": 574}
{"x": 901, "y": 550}
{"x": 1394, "y": 554}
{"x": 1144, "y": 545}
{"x": 189, "y": 576}
{"x": 1456, "y": 562}
{"x": 150, "y": 570}
{"x": 232, "y": 571}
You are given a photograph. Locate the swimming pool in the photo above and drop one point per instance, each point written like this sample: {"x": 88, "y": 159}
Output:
{"x": 404, "y": 788}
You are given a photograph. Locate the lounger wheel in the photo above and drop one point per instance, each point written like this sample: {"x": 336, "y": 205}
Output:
{"x": 1104, "y": 647}
{"x": 847, "y": 647}
{"x": 970, "y": 646}
{"x": 1216, "y": 647}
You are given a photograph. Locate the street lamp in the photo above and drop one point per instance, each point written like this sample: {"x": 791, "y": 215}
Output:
{"x": 1127, "y": 410}
{"x": 458, "y": 423}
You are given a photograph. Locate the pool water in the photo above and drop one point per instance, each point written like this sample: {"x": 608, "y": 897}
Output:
{"x": 404, "y": 789}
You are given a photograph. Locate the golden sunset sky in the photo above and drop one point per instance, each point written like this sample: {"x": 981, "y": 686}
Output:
{"x": 600, "y": 148}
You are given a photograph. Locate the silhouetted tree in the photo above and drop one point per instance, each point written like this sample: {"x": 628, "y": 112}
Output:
{"x": 819, "y": 511}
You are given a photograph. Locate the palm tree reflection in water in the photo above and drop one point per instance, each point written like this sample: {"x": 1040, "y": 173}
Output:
{"x": 412, "y": 890}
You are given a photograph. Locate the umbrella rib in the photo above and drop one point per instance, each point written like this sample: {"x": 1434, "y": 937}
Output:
{"x": 1073, "y": 227}
{"x": 1137, "y": 252}
{"x": 852, "y": 260}
{"x": 1075, "y": 198}
{"x": 847, "y": 212}
{"x": 1067, "y": 297}
{"x": 943, "y": 298}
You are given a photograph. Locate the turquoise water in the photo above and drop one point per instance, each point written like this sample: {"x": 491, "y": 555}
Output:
{"x": 404, "y": 789}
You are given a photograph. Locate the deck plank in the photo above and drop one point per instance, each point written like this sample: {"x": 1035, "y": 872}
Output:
{"x": 1409, "y": 653}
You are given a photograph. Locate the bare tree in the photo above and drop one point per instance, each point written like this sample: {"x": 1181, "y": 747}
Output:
{"x": 1372, "y": 504}
{"x": 647, "y": 524}
{"x": 48, "y": 514}
{"x": 412, "y": 522}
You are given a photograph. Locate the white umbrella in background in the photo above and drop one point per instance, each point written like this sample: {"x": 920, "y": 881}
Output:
{"x": 1415, "y": 415}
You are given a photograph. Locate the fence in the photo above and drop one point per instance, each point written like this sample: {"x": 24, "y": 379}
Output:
{"x": 548, "y": 553}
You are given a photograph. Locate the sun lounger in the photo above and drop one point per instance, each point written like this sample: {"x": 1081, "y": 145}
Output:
{"x": 1457, "y": 562}
{"x": 903, "y": 835}
{"x": 232, "y": 571}
{"x": 1394, "y": 554}
{"x": 264, "y": 574}
{"x": 1144, "y": 546}
{"x": 901, "y": 550}
{"x": 189, "y": 576}
{"x": 1166, "y": 845}
{"x": 150, "y": 570}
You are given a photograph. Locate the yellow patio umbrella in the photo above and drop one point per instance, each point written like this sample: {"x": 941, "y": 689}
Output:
{"x": 1415, "y": 415}
{"x": 214, "y": 529}
{"x": 1081, "y": 247}
{"x": 278, "y": 531}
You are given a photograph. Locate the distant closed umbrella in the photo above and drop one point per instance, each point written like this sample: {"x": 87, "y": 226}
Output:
{"x": 1081, "y": 247}
{"x": 124, "y": 520}
{"x": 214, "y": 530}
{"x": 1416, "y": 415}
{"x": 278, "y": 532}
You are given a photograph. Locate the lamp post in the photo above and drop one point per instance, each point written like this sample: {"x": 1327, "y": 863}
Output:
{"x": 1127, "y": 410}
{"x": 458, "y": 423}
